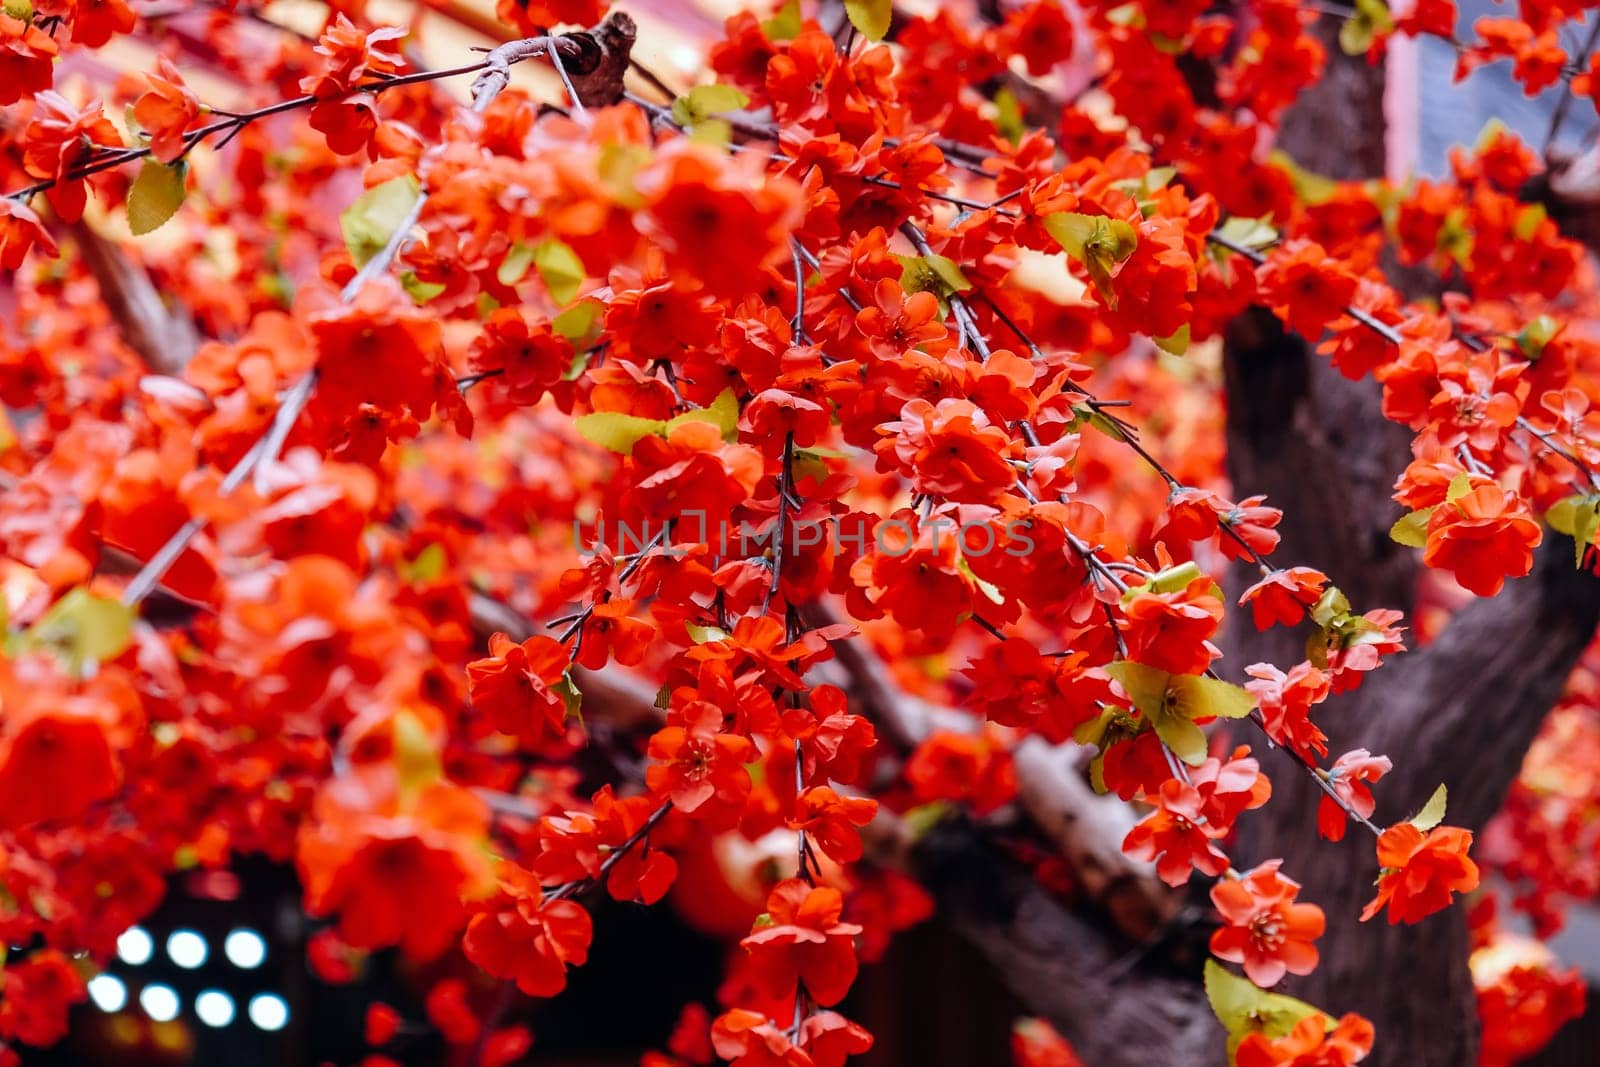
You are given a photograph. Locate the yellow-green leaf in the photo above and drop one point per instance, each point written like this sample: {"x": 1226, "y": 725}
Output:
{"x": 1096, "y": 241}
{"x": 1146, "y": 686}
{"x": 703, "y": 101}
{"x": 1411, "y": 529}
{"x": 1175, "y": 344}
{"x": 1255, "y": 234}
{"x": 1202, "y": 698}
{"x": 560, "y": 268}
{"x": 1578, "y": 517}
{"x": 1372, "y": 17}
{"x": 1432, "y": 813}
{"x": 1528, "y": 220}
{"x": 155, "y": 196}
{"x": 1008, "y": 116}
{"x": 420, "y": 291}
{"x": 871, "y": 17}
{"x": 368, "y": 223}
{"x": 1245, "y": 1009}
{"x": 579, "y": 322}
{"x": 518, "y": 259}
{"x": 616, "y": 431}
{"x": 1459, "y": 487}
{"x": 702, "y": 635}
{"x": 427, "y": 567}
{"x": 785, "y": 25}
{"x": 723, "y": 413}
{"x": 1176, "y": 577}
{"x": 83, "y": 629}
{"x": 417, "y": 760}
{"x": 1332, "y": 606}
{"x": 1538, "y": 333}
{"x": 1098, "y": 419}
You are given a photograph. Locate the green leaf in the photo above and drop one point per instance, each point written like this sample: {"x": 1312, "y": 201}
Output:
{"x": 1578, "y": 516}
{"x": 1432, "y": 813}
{"x": 1176, "y": 344}
{"x": 702, "y": 635}
{"x": 785, "y": 25}
{"x": 1202, "y": 698}
{"x": 368, "y": 223}
{"x": 1171, "y": 703}
{"x": 417, "y": 760}
{"x": 420, "y": 291}
{"x": 1540, "y": 331}
{"x": 713, "y": 132}
{"x": 427, "y": 567}
{"x": 571, "y": 696}
{"x": 1008, "y": 116}
{"x": 924, "y": 817}
{"x": 518, "y": 259}
{"x": 83, "y": 629}
{"x": 1528, "y": 220}
{"x": 18, "y": 9}
{"x": 1093, "y": 416}
{"x": 1151, "y": 692}
{"x": 1096, "y": 241}
{"x": 871, "y": 17}
{"x": 988, "y": 589}
{"x": 1459, "y": 487}
{"x": 579, "y": 322}
{"x": 618, "y": 169}
{"x": 1411, "y": 529}
{"x": 1332, "y": 606}
{"x": 1255, "y": 234}
{"x": 934, "y": 274}
{"x": 155, "y": 196}
{"x": 703, "y": 101}
{"x": 1372, "y": 17}
{"x": 616, "y": 431}
{"x": 723, "y": 413}
{"x": 1174, "y": 578}
{"x": 560, "y": 268}
{"x": 1244, "y": 1009}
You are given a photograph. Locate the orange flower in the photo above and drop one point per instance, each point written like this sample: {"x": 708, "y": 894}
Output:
{"x": 1421, "y": 872}
{"x": 801, "y": 940}
{"x": 1171, "y": 631}
{"x": 536, "y": 16}
{"x": 26, "y": 53}
{"x": 94, "y": 22}
{"x": 1349, "y": 776}
{"x": 63, "y": 741}
{"x": 21, "y": 230}
{"x": 1310, "y": 1044}
{"x": 1176, "y": 836}
{"x": 949, "y": 449}
{"x": 1283, "y": 596}
{"x": 1484, "y": 538}
{"x": 1267, "y": 931}
{"x": 1306, "y": 287}
{"x": 395, "y": 876}
{"x": 527, "y": 938}
{"x": 166, "y": 110}
{"x": 830, "y": 820}
{"x": 698, "y": 763}
{"x": 519, "y": 687}
{"x": 57, "y": 141}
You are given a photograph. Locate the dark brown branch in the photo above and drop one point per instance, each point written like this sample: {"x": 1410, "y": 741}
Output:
{"x": 165, "y": 338}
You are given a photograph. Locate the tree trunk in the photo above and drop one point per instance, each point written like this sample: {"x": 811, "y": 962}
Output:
{"x": 1462, "y": 711}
